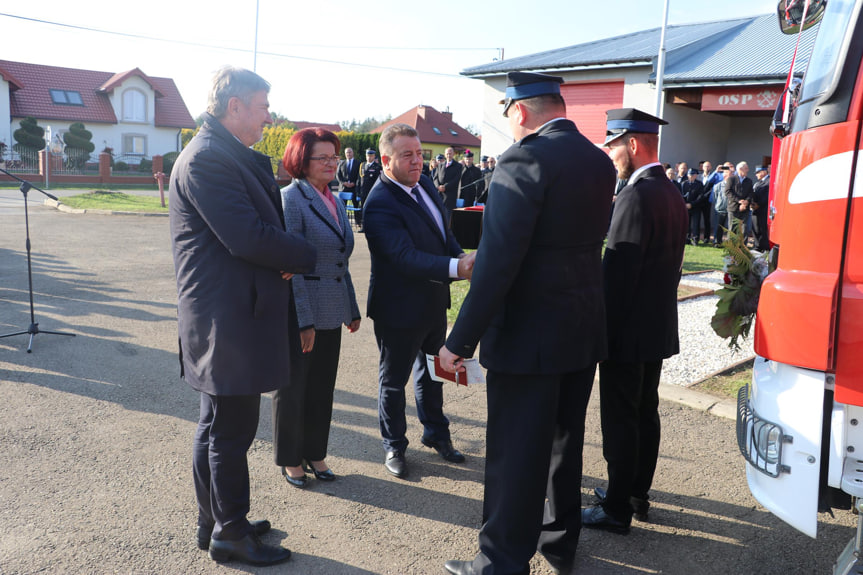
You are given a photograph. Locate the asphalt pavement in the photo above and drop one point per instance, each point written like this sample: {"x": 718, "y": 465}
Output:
{"x": 96, "y": 430}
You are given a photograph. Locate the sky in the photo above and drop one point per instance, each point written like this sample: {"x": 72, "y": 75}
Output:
{"x": 330, "y": 61}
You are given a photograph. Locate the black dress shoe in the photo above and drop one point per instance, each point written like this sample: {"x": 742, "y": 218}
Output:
{"x": 249, "y": 550}
{"x": 446, "y": 450}
{"x": 459, "y": 567}
{"x": 203, "y": 534}
{"x": 326, "y": 475}
{"x": 597, "y": 518}
{"x": 396, "y": 464}
{"x": 639, "y": 506}
{"x": 299, "y": 482}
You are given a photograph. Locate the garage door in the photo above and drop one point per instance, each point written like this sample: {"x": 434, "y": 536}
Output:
{"x": 586, "y": 105}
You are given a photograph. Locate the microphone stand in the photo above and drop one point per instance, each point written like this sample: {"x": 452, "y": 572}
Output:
{"x": 34, "y": 327}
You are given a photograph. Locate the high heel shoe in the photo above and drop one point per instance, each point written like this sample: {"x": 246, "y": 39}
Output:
{"x": 299, "y": 482}
{"x": 327, "y": 475}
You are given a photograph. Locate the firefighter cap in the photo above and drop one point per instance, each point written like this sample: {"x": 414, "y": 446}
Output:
{"x": 625, "y": 120}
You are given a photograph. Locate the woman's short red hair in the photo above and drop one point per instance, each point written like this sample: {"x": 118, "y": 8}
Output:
{"x": 299, "y": 149}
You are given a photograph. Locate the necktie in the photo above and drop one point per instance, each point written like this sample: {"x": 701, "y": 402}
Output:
{"x": 416, "y": 193}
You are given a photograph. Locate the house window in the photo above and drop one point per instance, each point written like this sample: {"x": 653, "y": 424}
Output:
{"x": 134, "y": 106}
{"x": 134, "y": 144}
{"x": 66, "y": 97}
{"x": 436, "y": 130}
{"x": 453, "y": 132}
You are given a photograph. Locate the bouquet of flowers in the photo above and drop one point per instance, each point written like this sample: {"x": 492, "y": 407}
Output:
{"x": 738, "y": 298}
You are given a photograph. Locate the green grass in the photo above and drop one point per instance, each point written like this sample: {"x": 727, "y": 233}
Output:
{"x": 727, "y": 384}
{"x": 116, "y": 201}
{"x": 702, "y": 259}
{"x": 695, "y": 259}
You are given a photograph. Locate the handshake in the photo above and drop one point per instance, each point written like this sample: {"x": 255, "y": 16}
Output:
{"x": 465, "y": 265}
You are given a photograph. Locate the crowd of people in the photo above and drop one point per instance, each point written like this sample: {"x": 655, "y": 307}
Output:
{"x": 723, "y": 199}
{"x": 461, "y": 184}
{"x": 264, "y": 290}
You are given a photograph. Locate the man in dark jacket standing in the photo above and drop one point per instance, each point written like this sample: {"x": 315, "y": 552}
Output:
{"x": 641, "y": 268}
{"x": 446, "y": 177}
{"x": 760, "y": 198}
{"x": 696, "y": 197}
{"x": 235, "y": 313}
{"x": 536, "y": 301}
{"x": 471, "y": 183}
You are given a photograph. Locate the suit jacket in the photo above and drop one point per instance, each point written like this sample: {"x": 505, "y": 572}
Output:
{"x": 449, "y": 177}
{"x": 230, "y": 245}
{"x": 694, "y": 194}
{"x": 536, "y": 293}
{"x": 738, "y": 190}
{"x": 641, "y": 267}
{"x": 324, "y": 297}
{"x": 761, "y": 193}
{"x": 409, "y": 285}
{"x": 343, "y": 175}
{"x": 471, "y": 185}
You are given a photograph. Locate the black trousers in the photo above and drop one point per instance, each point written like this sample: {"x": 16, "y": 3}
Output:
{"x": 629, "y": 409}
{"x": 226, "y": 429}
{"x": 303, "y": 410}
{"x": 759, "y": 228}
{"x": 403, "y": 350}
{"x": 534, "y": 443}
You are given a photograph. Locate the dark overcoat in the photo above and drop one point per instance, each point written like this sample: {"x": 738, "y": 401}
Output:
{"x": 229, "y": 244}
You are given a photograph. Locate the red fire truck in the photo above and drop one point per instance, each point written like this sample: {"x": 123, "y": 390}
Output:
{"x": 800, "y": 421}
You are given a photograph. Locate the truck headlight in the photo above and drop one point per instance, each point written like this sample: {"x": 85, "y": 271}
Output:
{"x": 760, "y": 441}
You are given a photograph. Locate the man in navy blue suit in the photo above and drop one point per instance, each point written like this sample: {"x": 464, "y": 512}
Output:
{"x": 414, "y": 258}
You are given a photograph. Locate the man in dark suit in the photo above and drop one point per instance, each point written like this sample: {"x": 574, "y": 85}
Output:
{"x": 236, "y": 314}
{"x": 447, "y": 177}
{"x": 471, "y": 183}
{"x": 370, "y": 171}
{"x": 641, "y": 268}
{"x": 348, "y": 174}
{"x": 696, "y": 198}
{"x": 414, "y": 258}
{"x": 536, "y": 302}
{"x": 760, "y": 198}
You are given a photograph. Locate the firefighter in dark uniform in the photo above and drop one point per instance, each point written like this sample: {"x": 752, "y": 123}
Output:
{"x": 370, "y": 171}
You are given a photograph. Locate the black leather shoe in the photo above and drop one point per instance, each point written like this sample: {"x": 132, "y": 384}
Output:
{"x": 446, "y": 450}
{"x": 459, "y": 567}
{"x": 639, "y": 506}
{"x": 327, "y": 475}
{"x": 396, "y": 464}
{"x": 249, "y": 550}
{"x": 203, "y": 534}
{"x": 597, "y": 518}
{"x": 299, "y": 482}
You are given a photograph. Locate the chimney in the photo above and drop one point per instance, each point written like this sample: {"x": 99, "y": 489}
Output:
{"x": 447, "y": 114}
{"x": 421, "y": 111}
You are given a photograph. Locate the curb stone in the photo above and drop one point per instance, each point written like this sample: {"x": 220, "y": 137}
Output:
{"x": 64, "y": 208}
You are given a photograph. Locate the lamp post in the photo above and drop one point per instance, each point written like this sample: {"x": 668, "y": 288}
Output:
{"x": 47, "y": 157}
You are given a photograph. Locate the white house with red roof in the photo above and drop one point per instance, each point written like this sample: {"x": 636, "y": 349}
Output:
{"x": 437, "y": 131}
{"x": 134, "y": 114}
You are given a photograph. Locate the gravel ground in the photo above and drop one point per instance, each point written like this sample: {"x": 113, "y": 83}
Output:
{"x": 702, "y": 352}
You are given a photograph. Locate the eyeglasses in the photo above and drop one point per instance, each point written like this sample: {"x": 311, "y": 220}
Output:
{"x": 325, "y": 159}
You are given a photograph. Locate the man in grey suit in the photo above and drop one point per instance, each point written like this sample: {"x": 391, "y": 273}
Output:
{"x": 536, "y": 301}
{"x": 235, "y": 313}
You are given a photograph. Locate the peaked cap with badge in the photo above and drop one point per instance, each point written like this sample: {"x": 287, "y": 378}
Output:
{"x": 630, "y": 120}
{"x": 522, "y": 85}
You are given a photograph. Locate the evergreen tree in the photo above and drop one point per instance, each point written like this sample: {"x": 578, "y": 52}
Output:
{"x": 78, "y": 146}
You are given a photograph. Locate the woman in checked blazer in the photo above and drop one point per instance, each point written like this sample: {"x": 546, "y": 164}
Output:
{"x": 324, "y": 299}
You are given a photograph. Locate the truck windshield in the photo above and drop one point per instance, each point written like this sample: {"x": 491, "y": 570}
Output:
{"x": 829, "y": 51}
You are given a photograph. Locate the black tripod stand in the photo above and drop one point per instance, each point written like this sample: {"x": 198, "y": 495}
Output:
{"x": 34, "y": 327}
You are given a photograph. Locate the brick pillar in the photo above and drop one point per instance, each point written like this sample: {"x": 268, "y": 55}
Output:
{"x": 43, "y": 163}
{"x": 158, "y": 162}
{"x": 104, "y": 166}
